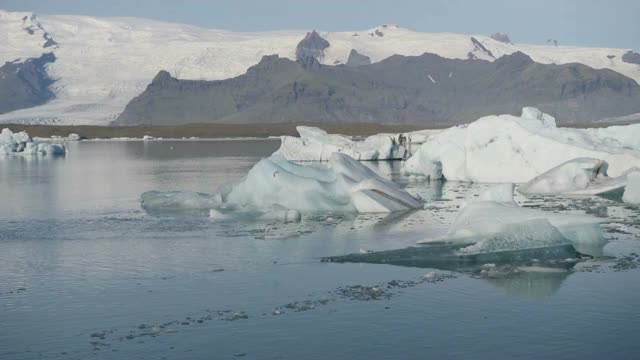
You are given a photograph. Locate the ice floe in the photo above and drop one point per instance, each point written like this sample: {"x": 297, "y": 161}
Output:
{"x": 496, "y": 213}
{"x": 632, "y": 191}
{"x": 21, "y": 144}
{"x": 317, "y": 145}
{"x": 278, "y": 189}
{"x": 512, "y": 149}
{"x": 342, "y": 185}
{"x": 581, "y": 176}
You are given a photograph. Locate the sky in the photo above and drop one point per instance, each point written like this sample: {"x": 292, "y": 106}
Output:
{"x": 602, "y": 23}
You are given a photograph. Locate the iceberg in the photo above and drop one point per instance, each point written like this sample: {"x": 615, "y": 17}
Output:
{"x": 343, "y": 185}
{"x": 496, "y": 213}
{"x": 512, "y": 149}
{"x": 632, "y": 191}
{"x": 21, "y": 144}
{"x": 581, "y": 176}
{"x": 316, "y": 145}
{"x": 278, "y": 189}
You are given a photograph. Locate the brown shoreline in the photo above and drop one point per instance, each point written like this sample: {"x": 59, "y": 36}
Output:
{"x": 230, "y": 130}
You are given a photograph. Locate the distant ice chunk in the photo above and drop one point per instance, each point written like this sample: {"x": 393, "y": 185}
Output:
{"x": 511, "y": 149}
{"x": 632, "y": 191}
{"x": 21, "y": 144}
{"x": 343, "y": 185}
{"x": 581, "y": 176}
{"x": 316, "y": 145}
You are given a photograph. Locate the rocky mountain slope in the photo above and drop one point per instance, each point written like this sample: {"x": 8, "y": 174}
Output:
{"x": 427, "y": 89}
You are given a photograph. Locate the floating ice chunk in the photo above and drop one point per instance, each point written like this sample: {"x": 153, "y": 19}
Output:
{"x": 581, "y": 176}
{"x": 148, "y": 137}
{"x": 499, "y": 193}
{"x": 73, "y": 137}
{"x": 632, "y": 191}
{"x": 482, "y": 218}
{"x": 420, "y": 163}
{"x": 21, "y": 144}
{"x": 538, "y": 233}
{"x": 343, "y": 185}
{"x": 176, "y": 201}
{"x": 316, "y": 145}
{"x": 514, "y": 149}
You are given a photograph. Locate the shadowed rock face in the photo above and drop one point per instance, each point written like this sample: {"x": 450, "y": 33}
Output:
{"x": 502, "y": 37}
{"x": 25, "y": 84}
{"x": 631, "y": 57}
{"x": 357, "y": 59}
{"x": 311, "y": 47}
{"x": 426, "y": 89}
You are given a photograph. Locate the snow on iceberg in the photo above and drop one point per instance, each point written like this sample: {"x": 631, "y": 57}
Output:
{"x": 581, "y": 176}
{"x": 495, "y": 213}
{"x": 511, "y": 149}
{"x": 316, "y": 145}
{"x": 343, "y": 185}
{"x": 21, "y": 144}
{"x": 632, "y": 191}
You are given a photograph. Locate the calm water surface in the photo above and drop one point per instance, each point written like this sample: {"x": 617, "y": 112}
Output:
{"x": 85, "y": 273}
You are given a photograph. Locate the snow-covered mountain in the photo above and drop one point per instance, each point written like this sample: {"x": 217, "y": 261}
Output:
{"x": 102, "y": 63}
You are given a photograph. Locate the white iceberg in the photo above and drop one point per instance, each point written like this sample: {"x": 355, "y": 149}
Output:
{"x": 316, "y": 145}
{"x": 581, "y": 176}
{"x": 632, "y": 191}
{"x": 21, "y": 144}
{"x": 511, "y": 149}
{"x": 496, "y": 213}
{"x": 343, "y": 185}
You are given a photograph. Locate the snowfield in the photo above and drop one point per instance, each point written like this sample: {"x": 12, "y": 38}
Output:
{"x": 104, "y": 62}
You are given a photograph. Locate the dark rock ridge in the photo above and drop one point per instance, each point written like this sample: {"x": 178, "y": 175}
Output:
{"x": 426, "y": 89}
{"x": 631, "y": 57}
{"x": 311, "y": 47}
{"x": 357, "y": 59}
{"x": 478, "y": 47}
{"x": 25, "y": 84}
{"x": 502, "y": 37}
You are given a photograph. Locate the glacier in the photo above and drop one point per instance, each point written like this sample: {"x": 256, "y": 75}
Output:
{"x": 21, "y": 144}
{"x": 497, "y": 213}
{"x": 515, "y": 149}
{"x": 581, "y": 176}
{"x": 632, "y": 191}
{"x": 104, "y": 62}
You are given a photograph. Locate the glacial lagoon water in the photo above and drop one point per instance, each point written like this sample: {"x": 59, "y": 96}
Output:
{"x": 87, "y": 274}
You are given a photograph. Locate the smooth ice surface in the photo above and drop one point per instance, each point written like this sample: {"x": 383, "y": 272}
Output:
{"x": 499, "y": 213}
{"x": 315, "y": 144}
{"x": 343, "y": 185}
{"x": 21, "y": 144}
{"x": 581, "y": 176}
{"x": 515, "y": 149}
{"x": 632, "y": 191}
